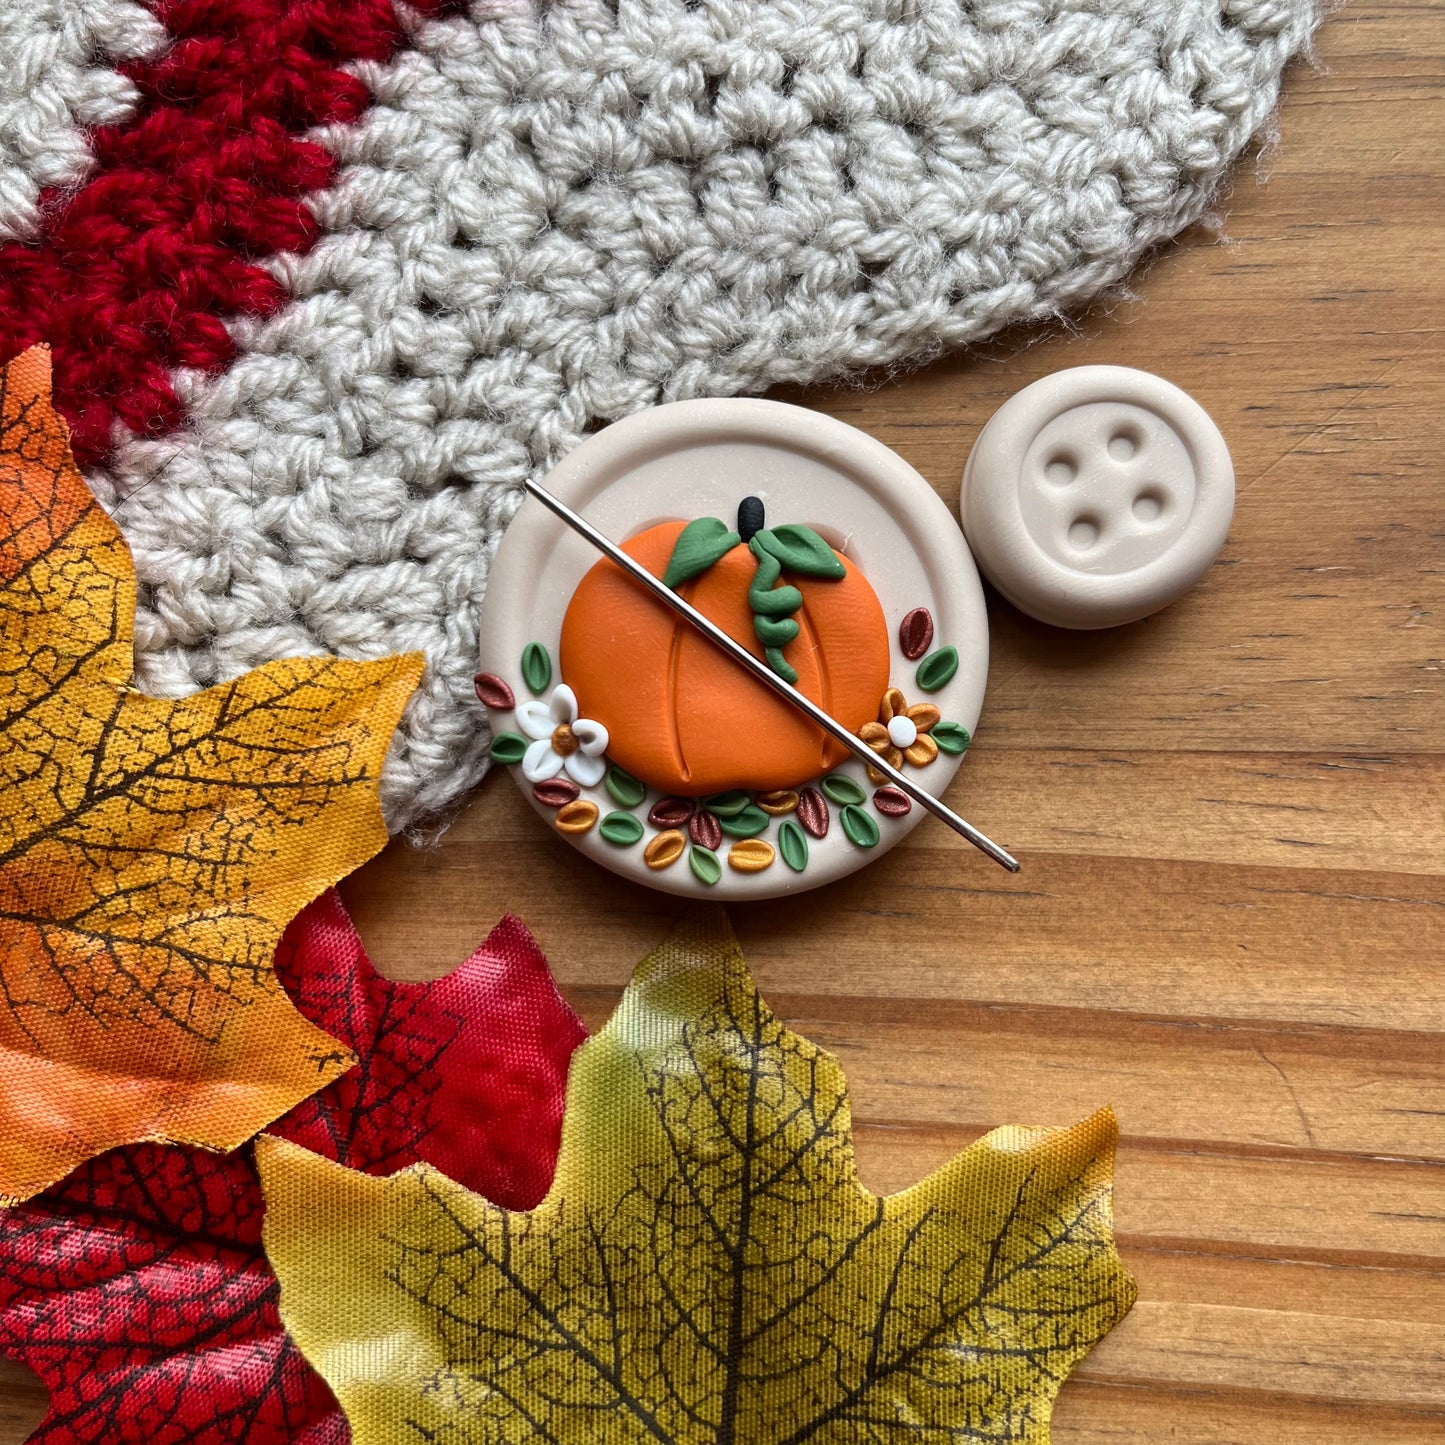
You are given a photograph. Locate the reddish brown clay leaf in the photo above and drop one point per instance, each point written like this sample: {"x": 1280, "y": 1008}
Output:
{"x": 137, "y": 1288}
{"x": 494, "y": 692}
{"x": 555, "y": 792}
{"x": 671, "y": 812}
{"x": 892, "y": 802}
{"x": 813, "y": 812}
{"x": 915, "y": 633}
{"x": 705, "y": 830}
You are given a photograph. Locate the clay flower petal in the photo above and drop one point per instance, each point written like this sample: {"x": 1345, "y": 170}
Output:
{"x": 876, "y": 736}
{"x": 584, "y": 768}
{"x": 922, "y": 752}
{"x": 535, "y": 719}
{"x": 541, "y": 761}
{"x": 563, "y": 705}
{"x": 924, "y": 716}
{"x": 591, "y": 736}
{"x": 892, "y": 706}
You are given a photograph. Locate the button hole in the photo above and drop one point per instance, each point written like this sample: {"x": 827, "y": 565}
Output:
{"x": 1150, "y": 505}
{"x": 1061, "y": 468}
{"x": 1124, "y": 443}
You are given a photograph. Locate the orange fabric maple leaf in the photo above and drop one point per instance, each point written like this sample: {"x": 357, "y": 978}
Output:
{"x": 152, "y": 851}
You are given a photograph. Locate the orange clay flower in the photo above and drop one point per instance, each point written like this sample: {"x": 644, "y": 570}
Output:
{"x": 901, "y": 733}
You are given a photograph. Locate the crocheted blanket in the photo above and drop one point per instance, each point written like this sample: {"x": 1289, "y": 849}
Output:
{"x": 325, "y": 279}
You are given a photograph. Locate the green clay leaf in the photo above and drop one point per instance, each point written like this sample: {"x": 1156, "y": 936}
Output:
{"x": 699, "y": 545}
{"x": 793, "y": 845}
{"x": 624, "y": 788}
{"x": 621, "y": 829}
{"x": 937, "y": 669}
{"x": 951, "y": 737}
{"x": 862, "y": 831}
{"x": 802, "y": 550}
{"x": 508, "y": 748}
{"x": 842, "y": 790}
{"x": 745, "y": 824}
{"x": 704, "y": 864}
{"x": 536, "y": 667}
{"x": 727, "y": 805}
{"x": 775, "y": 631}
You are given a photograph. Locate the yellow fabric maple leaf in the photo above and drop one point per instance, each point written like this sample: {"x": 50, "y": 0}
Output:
{"x": 707, "y": 1269}
{"x": 151, "y": 851}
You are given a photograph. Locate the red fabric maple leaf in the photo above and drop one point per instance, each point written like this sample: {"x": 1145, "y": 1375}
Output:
{"x": 137, "y": 1287}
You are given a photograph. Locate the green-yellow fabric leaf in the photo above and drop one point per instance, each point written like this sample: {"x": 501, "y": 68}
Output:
{"x": 707, "y": 1269}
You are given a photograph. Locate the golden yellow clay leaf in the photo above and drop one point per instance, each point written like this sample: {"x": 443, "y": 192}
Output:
{"x": 151, "y": 851}
{"x": 707, "y": 1269}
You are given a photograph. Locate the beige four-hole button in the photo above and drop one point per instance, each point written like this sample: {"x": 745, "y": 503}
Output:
{"x": 1097, "y": 496}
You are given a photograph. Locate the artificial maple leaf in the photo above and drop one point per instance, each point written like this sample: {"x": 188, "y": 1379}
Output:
{"x": 137, "y": 1288}
{"x": 706, "y": 1269}
{"x": 151, "y": 851}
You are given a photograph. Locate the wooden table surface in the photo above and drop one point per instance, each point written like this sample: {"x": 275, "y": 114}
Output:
{"x": 1230, "y": 922}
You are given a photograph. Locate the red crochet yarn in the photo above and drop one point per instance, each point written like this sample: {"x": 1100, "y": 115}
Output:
{"x": 133, "y": 271}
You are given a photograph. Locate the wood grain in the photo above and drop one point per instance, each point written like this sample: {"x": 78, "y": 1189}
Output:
{"x": 1231, "y": 919}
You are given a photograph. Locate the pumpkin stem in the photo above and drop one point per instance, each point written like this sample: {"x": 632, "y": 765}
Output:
{"x": 751, "y": 518}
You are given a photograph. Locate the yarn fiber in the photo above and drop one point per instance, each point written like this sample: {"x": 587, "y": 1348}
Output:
{"x": 52, "y": 88}
{"x": 552, "y": 215}
{"x": 202, "y": 170}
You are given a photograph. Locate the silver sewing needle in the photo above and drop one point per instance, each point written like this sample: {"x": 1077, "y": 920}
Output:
{"x": 767, "y": 676}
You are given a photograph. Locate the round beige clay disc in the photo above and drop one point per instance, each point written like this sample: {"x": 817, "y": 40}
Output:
{"x": 699, "y": 458}
{"x": 1097, "y": 495}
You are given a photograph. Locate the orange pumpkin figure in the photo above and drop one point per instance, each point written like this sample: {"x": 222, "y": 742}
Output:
{"x": 683, "y": 716}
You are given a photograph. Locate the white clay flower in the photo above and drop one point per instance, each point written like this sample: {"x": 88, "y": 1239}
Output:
{"x": 563, "y": 741}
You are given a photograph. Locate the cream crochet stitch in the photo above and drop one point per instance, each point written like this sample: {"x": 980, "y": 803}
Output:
{"x": 53, "y": 89}
{"x": 558, "y": 213}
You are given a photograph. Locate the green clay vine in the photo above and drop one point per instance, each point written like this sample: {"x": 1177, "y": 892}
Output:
{"x": 799, "y": 549}
{"x": 773, "y": 609}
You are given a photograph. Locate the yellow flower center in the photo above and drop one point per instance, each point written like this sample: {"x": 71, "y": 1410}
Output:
{"x": 564, "y": 741}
